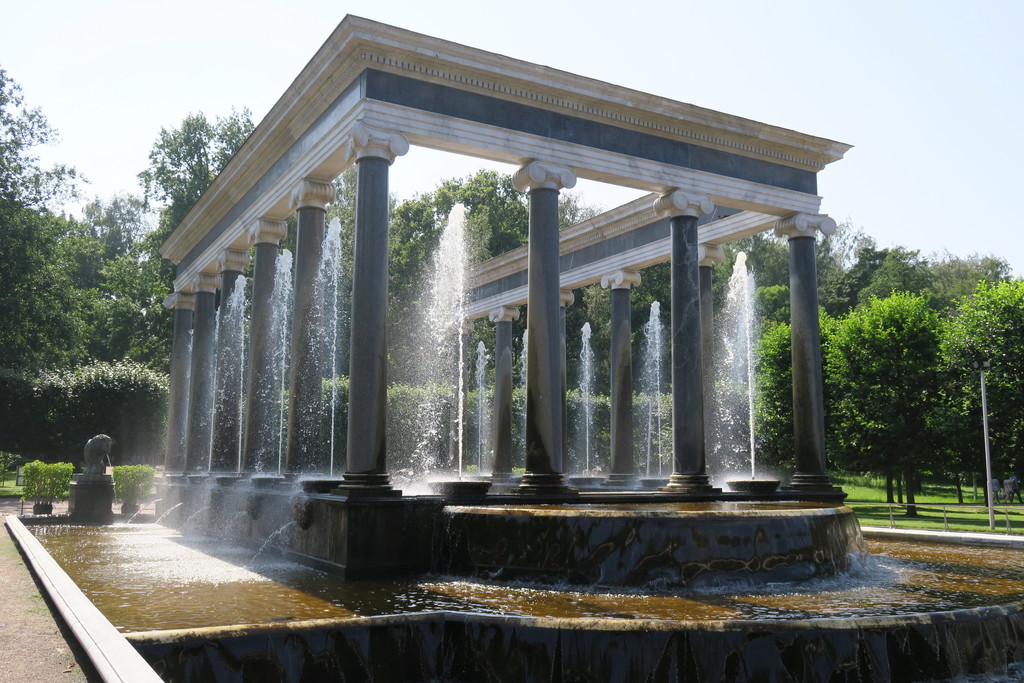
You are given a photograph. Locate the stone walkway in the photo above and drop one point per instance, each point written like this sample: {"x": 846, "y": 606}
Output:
{"x": 35, "y": 647}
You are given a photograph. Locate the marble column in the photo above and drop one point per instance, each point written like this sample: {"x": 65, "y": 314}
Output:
{"x": 808, "y": 389}
{"x": 623, "y": 468}
{"x": 260, "y": 452}
{"x": 183, "y": 304}
{"x": 366, "y": 471}
{"x": 501, "y": 432}
{"x": 688, "y": 466}
{"x": 709, "y": 254}
{"x": 200, "y": 398}
{"x": 225, "y": 454}
{"x": 545, "y": 391}
{"x": 306, "y": 452}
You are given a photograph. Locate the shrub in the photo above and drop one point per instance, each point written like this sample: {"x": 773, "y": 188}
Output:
{"x": 132, "y": 483}
{"x": 47, "y": 482}
{"x": 125, "y": 400}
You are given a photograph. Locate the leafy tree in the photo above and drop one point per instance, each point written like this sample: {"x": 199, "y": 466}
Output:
{"x": 987, "y": 326}
{"x": 954, "y": 277}
{"x": 182, "y": 163}
{"x": 23, "y": 183}
{"x": 118, "y": 224}
{"x": 185, "y": 160}
{"x": 39, "y": 302}
{"x": 901, "y": 270}
{"x": 883, "y": 363}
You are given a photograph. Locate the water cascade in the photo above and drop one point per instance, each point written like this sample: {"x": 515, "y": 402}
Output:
{"x": 738, "y": 334}
{"x": 650, "y": 386}
{"x": 331, "y": 278}
{"x": 521, "y": 408}
{"x": 586, "y": 394}
{"x": 481, "y": 404}
{"x": 281, "y": 334}
{"x": 440, "y": 353}
{"x": 231, "y": 351}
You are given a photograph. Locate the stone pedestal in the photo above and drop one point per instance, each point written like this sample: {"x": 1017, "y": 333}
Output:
{"x": 92, "y": 499}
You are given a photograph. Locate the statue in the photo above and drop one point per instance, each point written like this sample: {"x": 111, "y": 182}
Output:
{"x": 97, "y": 455}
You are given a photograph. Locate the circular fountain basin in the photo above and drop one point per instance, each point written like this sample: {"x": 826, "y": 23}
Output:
{"x": 753, "y": 485}
{"x": 913, "y": 611}
{"x": 664, "y": 545}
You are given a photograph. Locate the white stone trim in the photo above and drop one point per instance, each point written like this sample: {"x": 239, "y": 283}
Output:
{"x": 267, "y": 231}
{"x": 368, "y": 142}
{"x": 621, "y": 279}
{"x": 683, "y": 203}
{"x": 182, "y": 300}
{"x": 542, "y": 175}
{"x": 233, "y": 260}
{"x": 805, "y": 225}
{"x": 721, "y": 231}
{"x": 312, "y": 193}
{"x": 504, "y": 314}
{"x": 204, "y": 283}
{"x": 709, "y": 255}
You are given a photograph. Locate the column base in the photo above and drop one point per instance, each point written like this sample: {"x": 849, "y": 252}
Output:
{"x": 544, "y": 484}
{"x": 503, "y": 477}
{"x": 366, "y": 485}
{"x": 802, "y": 481}
{"x": 688, "y": 483}
{"x": 620, "y": 481}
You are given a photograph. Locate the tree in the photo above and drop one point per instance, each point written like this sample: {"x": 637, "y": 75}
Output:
{"x": 883, "y": 365}
{"x": 987, "y": 326}
{"x": 185, "y": 160}
{"x": 955, "y": 277}
{"x": 182, "y": 164}
{"x": 40, "y": 305}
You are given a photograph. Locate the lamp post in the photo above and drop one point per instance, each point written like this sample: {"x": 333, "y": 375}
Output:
{"x": 982, "y": 367}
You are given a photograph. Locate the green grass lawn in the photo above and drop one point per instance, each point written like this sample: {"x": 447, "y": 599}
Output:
{"x": 937, "y": 508}
{"x": 8, "y": 489}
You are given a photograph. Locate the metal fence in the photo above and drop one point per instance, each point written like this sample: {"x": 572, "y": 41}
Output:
{"x": 952, "y": 510}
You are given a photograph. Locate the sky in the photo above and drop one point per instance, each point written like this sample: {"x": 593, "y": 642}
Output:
{"x": 929, "y": 93}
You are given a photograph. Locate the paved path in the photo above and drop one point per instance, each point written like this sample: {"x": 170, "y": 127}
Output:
{"x": 35, "y": 648}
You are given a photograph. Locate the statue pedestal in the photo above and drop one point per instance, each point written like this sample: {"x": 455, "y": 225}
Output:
{"x": 91, "y": 500}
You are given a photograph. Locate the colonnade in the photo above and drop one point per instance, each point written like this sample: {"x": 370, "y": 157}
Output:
{"x": 202, "y": 437}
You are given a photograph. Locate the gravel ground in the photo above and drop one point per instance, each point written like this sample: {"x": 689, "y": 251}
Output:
{"x": 36, "y": 648}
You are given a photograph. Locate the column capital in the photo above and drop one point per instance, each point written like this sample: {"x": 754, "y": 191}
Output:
{"x": 233, "y": 260}
{"x": 683, "y": 203}
{"x": 203, "y": 283}
{"x": 182, "y": 300}
{"x": 537, "y": 175}
{"x": 266, "y": 231}
{"x": 503, "y": 314}
{"x": 804, "y": 225}
{"x": 621, "y": 279}
{"x": 710, "y": 254}
{"x": 312, "y": 193}
{"x": 566, "y": 298}
{"x": 368, "y": 142}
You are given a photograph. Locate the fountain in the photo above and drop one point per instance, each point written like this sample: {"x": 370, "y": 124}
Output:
{"x": 440, "y": 355}
{"x": 586, "y": 394}
{"x": 481, "y": 405}
{"x": 734, "y": 439}
{"x": 270, "y": 577}
{"x": 650, "y": 387}
{"x": 330, "y": 278}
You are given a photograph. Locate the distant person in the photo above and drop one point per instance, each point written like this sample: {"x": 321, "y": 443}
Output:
{"x": 997, "y": 490}
{"x": 1013, "y": 489}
